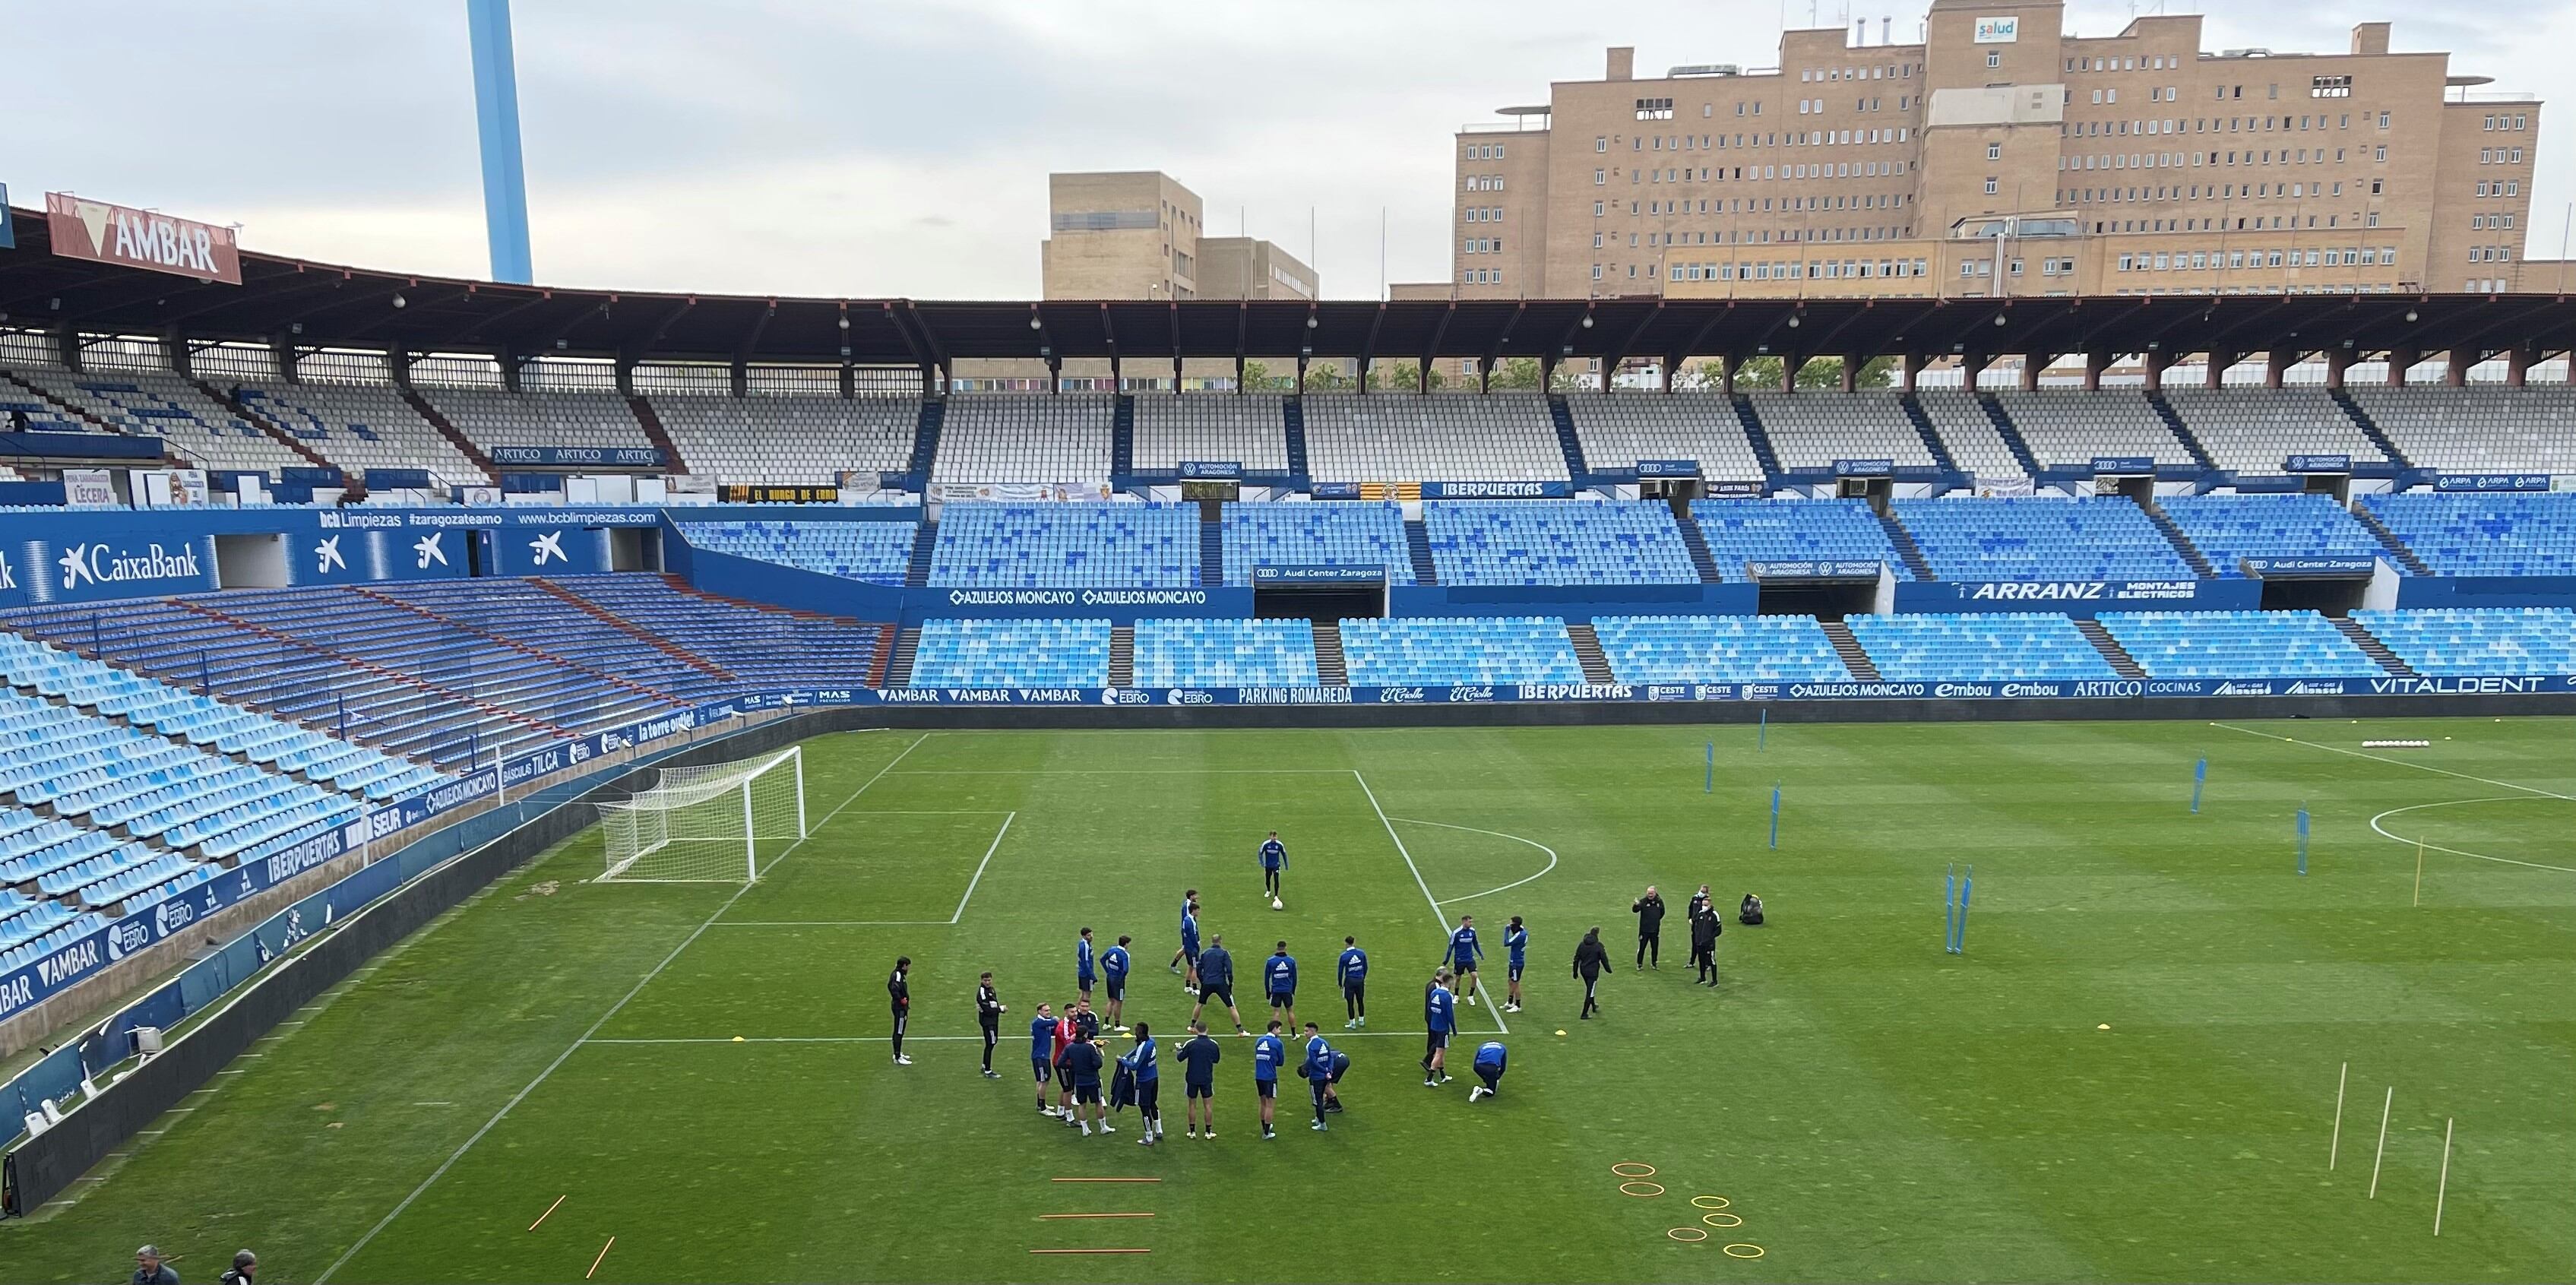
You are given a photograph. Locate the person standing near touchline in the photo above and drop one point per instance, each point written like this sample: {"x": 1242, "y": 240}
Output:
{"x": 1591, "y": 960}
{"x": 1649, "y": 910}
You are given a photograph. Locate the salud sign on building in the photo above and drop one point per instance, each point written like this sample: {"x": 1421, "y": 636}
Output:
{"x": 104, "y": 233}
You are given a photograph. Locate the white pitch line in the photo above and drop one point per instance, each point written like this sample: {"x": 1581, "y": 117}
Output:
{"x": 1120, "y": 771}
{"x": 1007, "y": 819}
{"x": 2381, "y": 758}
{"x": 1551, "y": 857}
{"x": 613, "y": 1011}
{"x": 2459, "y": 852}
{"x": 1490, "y": 1010}
{"x": 868, "y": 1039}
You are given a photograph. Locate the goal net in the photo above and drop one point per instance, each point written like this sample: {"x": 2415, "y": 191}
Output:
{"x": 706, "y": 824}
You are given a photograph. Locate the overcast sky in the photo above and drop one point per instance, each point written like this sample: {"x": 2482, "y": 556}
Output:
{"x": 901, "y": 147}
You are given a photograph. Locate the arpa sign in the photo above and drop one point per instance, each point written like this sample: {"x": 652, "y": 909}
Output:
{"x": 131, "y": 238}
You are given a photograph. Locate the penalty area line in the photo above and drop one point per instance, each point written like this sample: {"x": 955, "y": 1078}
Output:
{"x": 2381, "y": 758}
{"x": 1418, "y": 882}
{"x": 2459, "y": 852}
{"x": 613, "y": 1011}
{"x": 1451, "y": 901}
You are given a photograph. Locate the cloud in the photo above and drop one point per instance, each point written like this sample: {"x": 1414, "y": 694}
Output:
{"x": 902, "y": 146}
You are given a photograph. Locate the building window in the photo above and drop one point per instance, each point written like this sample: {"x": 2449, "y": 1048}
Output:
{"x": 1994, "y": 58}
{"x": 1994, "y": 151}
{"x": 2330, "y": 87}
{"x": 1596, "y": 272}
{"x": 1654, "y": 109}
{"x": 1990, "y": 185}
{"x": 1599, "y": 177}
{"x": 2383, "y": 120}
{"x": 1601, "y": 143}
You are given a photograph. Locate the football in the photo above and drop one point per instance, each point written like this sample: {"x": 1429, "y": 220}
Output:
{"x": 1276, "y": 904}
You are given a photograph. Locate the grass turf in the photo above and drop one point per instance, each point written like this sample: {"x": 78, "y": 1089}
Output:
{"x": 1868, "y": 1106}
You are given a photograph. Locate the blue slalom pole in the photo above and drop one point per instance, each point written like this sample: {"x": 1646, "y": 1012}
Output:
{"x": 1762, "y": 734}
{"x": 2303, "y": 841}
{"x": 1708, "y": 781}
{"x": 1950, "y": 908}
{"x": 1967, "y": 882}
{"x": 2199, "y": 776}
{"x": 1775, "y": 816}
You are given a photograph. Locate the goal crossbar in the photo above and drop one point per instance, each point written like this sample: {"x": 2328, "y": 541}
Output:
{"x": 705, "y": 824}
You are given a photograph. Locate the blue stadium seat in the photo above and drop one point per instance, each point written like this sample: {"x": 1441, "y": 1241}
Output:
{"x": 1012, "y": 653}
{"x": 1064, "y": 546}
{"x": 1741, "y": 531}
{"x": 1706, "y": 649}
{"x": 2040, "y": 539}
{"x": 2230, "y": 528}
{"x": 872, "y": 552}
{"x": 1997, "y": 647}
{"x": 1335, "y": 533}
{"x": 2449, "y": 642}
{"x": 2238, "y": 644}
{"x": 1538, "y": 542}
{"x": 2471, "y": 534}
{"x": 1225, "y": 653}
{"x": 1412, "y": 651}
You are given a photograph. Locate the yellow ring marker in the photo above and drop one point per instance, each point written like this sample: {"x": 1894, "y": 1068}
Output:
{"x": 1695, "y": 1236}
{"x": 1730, "y": 1251}
{"x": 1712, "y": 1220}
{"x": 1702, "y": 1202}
{"x": 1624, "y": 1166}
{"x": 1623, "y": 1188}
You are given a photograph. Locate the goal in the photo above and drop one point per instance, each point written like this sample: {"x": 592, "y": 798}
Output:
{"x": 706, "y": 824}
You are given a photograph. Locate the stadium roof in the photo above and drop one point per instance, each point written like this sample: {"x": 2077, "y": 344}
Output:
{"x": 328, "y": 305}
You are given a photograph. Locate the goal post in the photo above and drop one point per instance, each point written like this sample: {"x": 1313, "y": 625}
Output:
{"x": 705, "y": 824}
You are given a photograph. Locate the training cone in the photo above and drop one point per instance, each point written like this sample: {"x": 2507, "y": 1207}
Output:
{"x": 1560, "y": 1032}
{"x": 737, "y": 1039}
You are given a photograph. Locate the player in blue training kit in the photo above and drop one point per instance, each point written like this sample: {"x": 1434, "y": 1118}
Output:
{"x": 1319, "y": 1068}
{"x": 1185, "y": 961}
{"x": 1274, "y": 858}
{"x": 1216, "y": 982}
{"x": 1199, "y": 1057}
{"x": 1279, "y": 980}
{"x": 1516, "y": 938}
{"x": 1083, "y": 976}
{"x": 1489, "y": 1068}
{"x": 1042, "y": 1054}
{"x": 1269, "y": 1053}
{"x": 1440, "y": 1015}
{"x": 1148, "y": 1073}
{"x": 1354, "y": 970}
{"x": 1463, "y": 954}
{"x": 1113, "y": 970}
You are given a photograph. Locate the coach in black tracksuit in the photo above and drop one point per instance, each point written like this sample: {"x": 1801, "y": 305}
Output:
{"x": 1650, "y": 927}
{"x": 1704, "y": 930}
{"x": 899, "y": 992}
{"x": 1591, "y": 959}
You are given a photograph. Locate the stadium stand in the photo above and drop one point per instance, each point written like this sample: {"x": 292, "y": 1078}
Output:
{"x": 1339, "y": 533}
{"x": 359, "y": 426}
{"x": 1416, "y": 651}
{"x": 2067, "y": 428}
{"x": 1619, "y": 429}
{"x": 1997, "y": 647}
{"x": 791, "y": 441}
{"x": 1408, "y": 437}
{"x": 1969, "y": 434}
{"x": 874, "y": 552}
{"x": 1812, "y": 430}
{"x": 2238, "y": 644}
{"x": 750, "y": 648}
{"x": 2040, "y": 539}
{"x": 2449, "y": 642}
{"x": 2471, "y": 534}
{"x": 206, "y": 723}
{"x": 1012, "y": 653}
{"x": 2227, "y": 528}
{"x": 493, "y": 418}
{"x": 2255, "y": 430}
{"x": 1250, "y": 429}
{"x": 1524, "y": 542}
{"x": 1055, "y": 546}
{"x": 1792, "y": 531}
{"x": 1679, "y": 649}
{"x": 1019, "y": 437}
{"x": 2477, "y": 430}
{"x": 1225, "y": 653}
{"x": 17, "y": 401}
{"x": 195, "y": 426}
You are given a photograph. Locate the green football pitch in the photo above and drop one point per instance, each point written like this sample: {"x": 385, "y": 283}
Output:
{"x": 2132, "y": 1073}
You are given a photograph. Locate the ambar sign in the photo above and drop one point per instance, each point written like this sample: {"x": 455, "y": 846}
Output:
{"x": 104, "y": 233}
